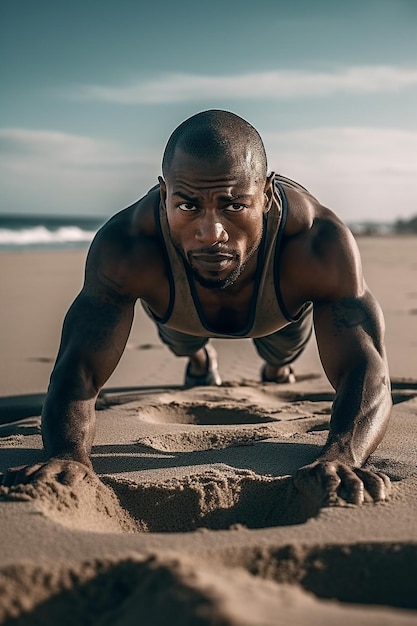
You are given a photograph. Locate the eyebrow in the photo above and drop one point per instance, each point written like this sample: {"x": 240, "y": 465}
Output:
{"x": 184, "y": 196}
{"x": 226, "y": 198}
{"x": 237, "y": 196}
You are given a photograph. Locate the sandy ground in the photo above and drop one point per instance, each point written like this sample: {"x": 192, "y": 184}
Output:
{"x": 195, "y": 519}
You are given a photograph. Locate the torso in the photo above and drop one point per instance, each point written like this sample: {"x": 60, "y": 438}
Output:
{"x": 253, "y": 308}
{"x": 131, "y": 259}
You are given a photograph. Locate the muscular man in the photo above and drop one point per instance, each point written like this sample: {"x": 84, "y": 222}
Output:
{"x": 222, "y": 248}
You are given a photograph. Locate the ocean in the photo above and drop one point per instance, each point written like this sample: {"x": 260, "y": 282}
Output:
{"x": 18, "y": 232}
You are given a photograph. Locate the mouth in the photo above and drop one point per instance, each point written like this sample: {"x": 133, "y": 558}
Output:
{"x": 213, "y": 262}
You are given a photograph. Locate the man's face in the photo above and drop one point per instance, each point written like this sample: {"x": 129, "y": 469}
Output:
{"x": 215, "y": 213}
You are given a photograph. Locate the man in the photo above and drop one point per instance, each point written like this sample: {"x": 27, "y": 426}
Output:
{"x": 221, "y": 248}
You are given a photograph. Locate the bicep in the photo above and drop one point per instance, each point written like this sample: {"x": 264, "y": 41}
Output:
{"x": 94, "y": 335}
{"x": 93, "y": 323}
{"x": 101, "y": 316}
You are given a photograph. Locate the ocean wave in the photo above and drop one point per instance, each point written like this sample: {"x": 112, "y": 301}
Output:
{"x": 40, "y": 235}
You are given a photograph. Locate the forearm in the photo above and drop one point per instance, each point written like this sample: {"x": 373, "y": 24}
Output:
{"x": 68, "y": 419}
{"x": 94, "y": 336}
{"x": 360, "y": 413}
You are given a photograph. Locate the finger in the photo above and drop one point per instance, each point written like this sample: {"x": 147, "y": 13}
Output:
{"x": 18, "y": 475}
{"x": 330, "y": 482}
{"x": 319, "y": 482}
{"x": 387, "y": 483}
{"x": 307, "y": 481}
{"x": 73, "y": 474}
{"x": 375, "y": 484}
{"x": 65, "y": 472}
{"x": 25, "y": 474}
{"x": 351, "y": 487}
{"x": 8, "y": 476}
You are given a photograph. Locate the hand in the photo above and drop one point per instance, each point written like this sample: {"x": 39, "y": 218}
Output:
{"x": 330, "y": 483}
{"x": 64, "y": 471}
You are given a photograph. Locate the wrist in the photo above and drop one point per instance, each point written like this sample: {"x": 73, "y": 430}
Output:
{"x": 339, "y": 451}
{"x": 79, "y": 456}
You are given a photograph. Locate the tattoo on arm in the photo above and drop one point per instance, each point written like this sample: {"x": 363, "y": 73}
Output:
{"x": 350, "y": 313}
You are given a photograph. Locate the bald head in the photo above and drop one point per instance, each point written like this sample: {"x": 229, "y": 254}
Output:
{"x": 218, "y": 136}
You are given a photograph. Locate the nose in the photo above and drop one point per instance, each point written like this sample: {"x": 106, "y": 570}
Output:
{"x": 210, "y": 230}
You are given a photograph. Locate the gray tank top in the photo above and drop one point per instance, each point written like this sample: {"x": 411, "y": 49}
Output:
{"x": 267, "y": 310}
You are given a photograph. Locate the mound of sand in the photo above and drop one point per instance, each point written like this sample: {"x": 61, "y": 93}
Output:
{"x": 87, "y": 505}
{"x": 218, "y": 499}
{"x": 157, "y": 590}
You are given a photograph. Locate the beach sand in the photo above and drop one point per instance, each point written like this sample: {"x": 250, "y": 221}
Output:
{"x": 194, "y": 518}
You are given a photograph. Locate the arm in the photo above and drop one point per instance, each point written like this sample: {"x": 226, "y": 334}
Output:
{"x": 124, "y": 263}
{"x": 94, "y": 336}
{"x": 350, "y": 336}
{"x": 350, "y": 340}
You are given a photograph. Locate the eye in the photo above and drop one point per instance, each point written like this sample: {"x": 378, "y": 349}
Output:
{"x": 187, "y": 206}
{"x": 235, "y": 207}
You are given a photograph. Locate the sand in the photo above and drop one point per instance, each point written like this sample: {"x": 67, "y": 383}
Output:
{"x": 193, "y": 517}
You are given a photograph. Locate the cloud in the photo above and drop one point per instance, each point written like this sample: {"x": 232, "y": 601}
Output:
{"x": 360, "y": 172}
{"x": 274, "y": 85}
{"x": 60, "y": 149}
{"x": 54, "y": 172}
{"x": 366, "y": 151}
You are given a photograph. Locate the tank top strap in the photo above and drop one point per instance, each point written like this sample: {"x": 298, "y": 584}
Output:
{"x": 267, "y": 315}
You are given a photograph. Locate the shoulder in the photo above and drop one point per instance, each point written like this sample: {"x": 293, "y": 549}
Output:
{"x": 136, "y": 220}
{"x": 126, "y": 250}
{"x": 320, "y": 258}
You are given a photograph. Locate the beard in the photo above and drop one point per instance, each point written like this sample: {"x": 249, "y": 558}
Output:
{"x": 217, "y": 283}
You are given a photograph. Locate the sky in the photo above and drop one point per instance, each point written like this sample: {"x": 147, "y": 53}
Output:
{"x": 92, "y": 89}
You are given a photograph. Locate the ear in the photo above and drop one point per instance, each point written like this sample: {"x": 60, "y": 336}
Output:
{"x": 162, "y": 190}
{"x": 269, "y": 191}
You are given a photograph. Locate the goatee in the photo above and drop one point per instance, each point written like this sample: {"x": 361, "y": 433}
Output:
{"x": 219, "y": 284}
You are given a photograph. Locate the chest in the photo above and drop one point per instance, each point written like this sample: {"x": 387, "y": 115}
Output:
{"x": 226, "y": 314}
